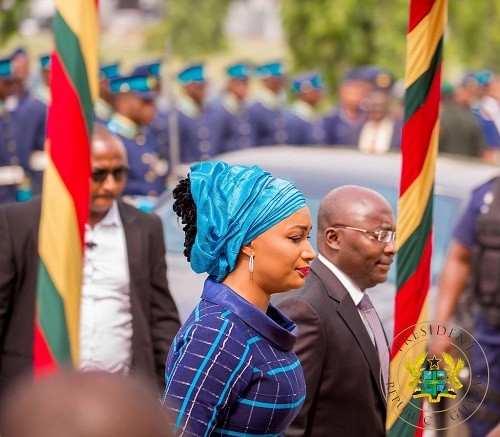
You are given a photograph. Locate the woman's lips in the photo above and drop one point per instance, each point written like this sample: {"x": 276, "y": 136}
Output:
{"x": 304, "y": 271}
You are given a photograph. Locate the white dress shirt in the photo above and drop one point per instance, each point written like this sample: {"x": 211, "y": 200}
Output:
{"x": 376, "y": 136}
{"x": 353, "y": 290}
{"x": 105, "y": 313}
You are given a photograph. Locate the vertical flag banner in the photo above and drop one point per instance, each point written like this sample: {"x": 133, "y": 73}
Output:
{"x": 65, "y": 194}
{"x": 427, "y": 21}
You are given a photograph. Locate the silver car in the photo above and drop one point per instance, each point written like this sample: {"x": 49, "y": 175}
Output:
{"x": 317, "y": 170}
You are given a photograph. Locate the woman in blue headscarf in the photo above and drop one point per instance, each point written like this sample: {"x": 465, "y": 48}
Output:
{"x": 231, "y": 369}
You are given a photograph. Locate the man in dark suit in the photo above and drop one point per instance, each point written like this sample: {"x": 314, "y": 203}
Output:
{"x": 342, "y": 346}
{"x": 128, "y": 317}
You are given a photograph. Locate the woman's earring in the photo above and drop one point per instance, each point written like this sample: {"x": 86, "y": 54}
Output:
{"x": 250, "y": 266}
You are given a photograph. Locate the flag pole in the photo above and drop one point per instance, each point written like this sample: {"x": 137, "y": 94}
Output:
{"x": 65, "y": 192}
{"x": 426, "y": 25}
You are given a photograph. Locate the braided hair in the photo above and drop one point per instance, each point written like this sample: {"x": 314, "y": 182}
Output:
{"x": 185, "y": 208}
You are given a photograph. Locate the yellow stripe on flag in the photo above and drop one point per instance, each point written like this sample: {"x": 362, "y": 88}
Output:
{"x": 412, "y": 204}
{"x": 59, "y": 234}
{"x": 421, "y": 44}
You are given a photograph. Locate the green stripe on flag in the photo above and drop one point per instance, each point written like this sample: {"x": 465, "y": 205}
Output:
{"x": 406, "y": 424}
{"x": 410, "y": 254}
{"x": 417, "y": 92}
{"x": 409, "y": 415}
{"x": 51, "y": 316}
{"x": 70, "y": 52}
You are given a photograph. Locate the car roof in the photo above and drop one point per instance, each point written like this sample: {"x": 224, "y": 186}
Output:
{"x": 454, "y": 176}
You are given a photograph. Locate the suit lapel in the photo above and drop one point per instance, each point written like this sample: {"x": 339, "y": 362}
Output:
{"x": 350, "y": 314}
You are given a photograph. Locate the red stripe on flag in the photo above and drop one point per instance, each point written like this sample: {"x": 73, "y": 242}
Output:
{"x": 418, "y": 10}
{"x": 417, "y": 134}
{"x": 411, "y": 295}
{"x": 65, "y": 125}
{"x": 43, "y": 361}
{"x": 419, "y": 432}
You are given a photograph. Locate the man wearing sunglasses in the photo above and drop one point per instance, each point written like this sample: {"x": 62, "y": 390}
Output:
{"x": 128, "y": 317}
{"x": 341, "y": 344}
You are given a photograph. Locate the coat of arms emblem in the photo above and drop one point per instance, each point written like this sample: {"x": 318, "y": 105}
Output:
{"x": 433, "y": 382}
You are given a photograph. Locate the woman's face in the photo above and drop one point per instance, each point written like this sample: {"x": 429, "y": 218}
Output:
{"x": 282, "y": 254}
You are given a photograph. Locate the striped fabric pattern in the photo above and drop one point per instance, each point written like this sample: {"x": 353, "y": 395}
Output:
{"x": 65, "y": 194}
{"x": 427, "y": 23}
{"x": 227, "y": 377}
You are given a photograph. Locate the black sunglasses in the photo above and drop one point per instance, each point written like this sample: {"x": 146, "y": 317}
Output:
{"x": 100, "y": 174}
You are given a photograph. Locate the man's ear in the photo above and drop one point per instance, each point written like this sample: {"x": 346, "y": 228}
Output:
{"x": 248, "y": 249}
{"x": 331, "y": 237}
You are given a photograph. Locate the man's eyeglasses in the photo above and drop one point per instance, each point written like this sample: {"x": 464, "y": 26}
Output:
{"x": 384, "y": 236}
{"x": 100, "y": 174}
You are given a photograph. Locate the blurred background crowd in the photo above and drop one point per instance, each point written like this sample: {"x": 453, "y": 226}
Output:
{"x": 234, "y": 75}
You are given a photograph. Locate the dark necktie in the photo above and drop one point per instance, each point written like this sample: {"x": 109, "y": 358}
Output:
{"x": 373, "y": 320}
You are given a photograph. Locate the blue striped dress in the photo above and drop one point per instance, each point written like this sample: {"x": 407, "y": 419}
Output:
{"x": 231, "y": 370}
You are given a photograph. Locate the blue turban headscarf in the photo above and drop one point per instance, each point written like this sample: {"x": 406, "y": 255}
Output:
{"x": 234, "y": 204}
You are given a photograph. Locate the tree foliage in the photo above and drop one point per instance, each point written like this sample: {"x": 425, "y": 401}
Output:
{"x": 335, "y": 35}
{"x": 473, "y": 35}
{"x": 11, "y": 14}
{"x": 195, "y": 27}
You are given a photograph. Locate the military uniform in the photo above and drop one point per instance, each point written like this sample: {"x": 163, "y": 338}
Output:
{"x": 230, "y": 122}
{"x": 193, "y": 120}
{"x": 11, "y": 170}
{"x": 266, "y": 114}
{"x": 147, "y": 175}
{"x": 42, "y": 91}
{"x": 39, "y": 159}
{"x": 341, "y": 129}
{"x": 103, "y": 110}
{"x": 488, "y": 127}
{"x": 490, "y": 133}
{"x": 29, "y": 123}
{"x": 303, "y": 126}
{"x": 486, "y": 334}
{"x": 160, "y": 132}
{"x": 195, "y": 138}
{"x": 158, "y": 129}
{"x": 22, "y": 133}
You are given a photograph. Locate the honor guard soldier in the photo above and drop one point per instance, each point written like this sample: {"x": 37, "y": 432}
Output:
{"x": 11, "y": 172}
{"x": 103, "y": 108}
{"x": 266, "y": 114}
{"x": 302, "y": 124}
{"x": 343, "y": 123}
{"x": 38, "y": 158}
{"x": 230, "y": 121}
{"x": 22, "y": 134}
{"x": 159, "y": 125}
{"x": 21, "y": 72}
{"x": 42, "y": 91}
{"x": 193, "y": 116}
{"x": 490, "y": 128}
{"x": 134, "y": 99}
